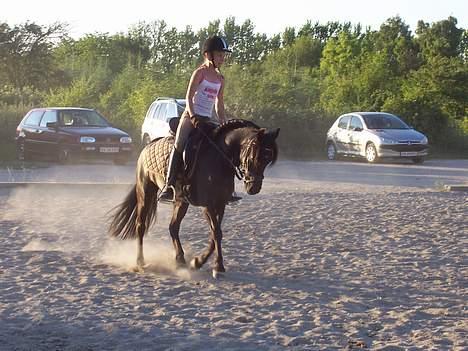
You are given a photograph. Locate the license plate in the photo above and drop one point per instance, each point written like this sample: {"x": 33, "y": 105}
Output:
{"x": 409, "y": 154}
{"x": 109, "y": 149}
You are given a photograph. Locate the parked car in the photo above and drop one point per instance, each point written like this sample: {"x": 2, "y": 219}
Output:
{"x": 65, "y": 133}
{"x": 375, "y": 135}
{"x": 156, "y": 122}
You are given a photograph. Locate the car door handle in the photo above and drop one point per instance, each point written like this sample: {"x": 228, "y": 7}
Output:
{"x": 38, "y": 131}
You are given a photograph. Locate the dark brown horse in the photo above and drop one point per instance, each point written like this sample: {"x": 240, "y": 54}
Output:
{"x": 235, "y": 147}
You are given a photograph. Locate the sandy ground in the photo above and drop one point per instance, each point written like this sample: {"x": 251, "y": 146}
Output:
{"x": 329, "y": 256}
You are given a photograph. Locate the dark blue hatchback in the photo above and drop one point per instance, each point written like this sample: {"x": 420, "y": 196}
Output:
{"x": 67, "y": 133}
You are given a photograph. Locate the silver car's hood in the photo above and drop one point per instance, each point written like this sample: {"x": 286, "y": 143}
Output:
{"x": 398, "y": 134}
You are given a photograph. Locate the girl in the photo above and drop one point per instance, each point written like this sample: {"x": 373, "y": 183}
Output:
{"x": 205, "y": 91}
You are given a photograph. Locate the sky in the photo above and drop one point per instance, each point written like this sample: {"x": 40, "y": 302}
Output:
{"x": 270, "y": 17}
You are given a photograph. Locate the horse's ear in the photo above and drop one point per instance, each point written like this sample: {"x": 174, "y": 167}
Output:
{"x": 273, "y": 134}
{"x": 276, "y": 133}
{"x": 261, "y": 132}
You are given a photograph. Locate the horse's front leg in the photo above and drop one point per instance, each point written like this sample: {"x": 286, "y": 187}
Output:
{"x": 214, "y": 217}
{"x": 178, "y": 213}
{"x": 198, "y": 261}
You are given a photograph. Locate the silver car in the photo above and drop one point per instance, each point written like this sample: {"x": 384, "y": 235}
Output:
{"x": 375, "y": 135}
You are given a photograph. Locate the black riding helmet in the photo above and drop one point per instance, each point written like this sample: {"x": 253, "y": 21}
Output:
{"x": 215, "y": 43}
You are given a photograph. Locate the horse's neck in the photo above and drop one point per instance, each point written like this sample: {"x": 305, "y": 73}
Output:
{"x": 232, "y": 141}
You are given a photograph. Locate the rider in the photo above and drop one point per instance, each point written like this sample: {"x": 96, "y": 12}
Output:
{"x": 205, "y": 91}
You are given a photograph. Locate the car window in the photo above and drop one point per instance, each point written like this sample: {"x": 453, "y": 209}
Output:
{"x": 384, "y": 121}
{"x": 156, "y": 111}
{"x": 81, "y": 118}
{"x": 343, "y": 123}
{"x": 150, "y": 112}
{"x": 180, "y": 110}
{"x": 34, "y": 118}
{"x": 171, "y": 111}
{"x": 49, "y": 116}
{"x": 162, "y": 112}
{"x": 355, "y": 123}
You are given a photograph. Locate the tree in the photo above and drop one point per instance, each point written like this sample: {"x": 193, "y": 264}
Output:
{"x": 26, "y": 59}
{"x": 442, "y": 38}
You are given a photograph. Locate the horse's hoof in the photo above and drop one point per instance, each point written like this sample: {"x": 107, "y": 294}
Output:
{"x": 195, "y": 264}
{"x": 138, "y": 269}
{"x": 181, "y": 263}
{"x": 217, "y": 274}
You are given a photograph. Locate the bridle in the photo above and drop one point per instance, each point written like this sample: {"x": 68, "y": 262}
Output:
{"x": 246, "y": 158}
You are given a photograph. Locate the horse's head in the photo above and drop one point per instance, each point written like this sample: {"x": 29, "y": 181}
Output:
{"x": 257, "y": 151}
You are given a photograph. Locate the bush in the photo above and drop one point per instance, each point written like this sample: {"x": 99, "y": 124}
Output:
{"x": 10, "y": 117}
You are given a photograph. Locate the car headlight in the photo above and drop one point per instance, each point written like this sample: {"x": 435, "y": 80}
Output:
{"x": 87, "y": 139}
{"x": 125, "y": 140}
{"x": 387, "y": 141}
{"x": 424, "y": 140}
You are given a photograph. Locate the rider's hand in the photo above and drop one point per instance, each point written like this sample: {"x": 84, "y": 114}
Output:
{"x": 195, "y": 120}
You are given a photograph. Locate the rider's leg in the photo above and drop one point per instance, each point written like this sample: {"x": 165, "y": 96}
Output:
{"x": 175, "y": 159}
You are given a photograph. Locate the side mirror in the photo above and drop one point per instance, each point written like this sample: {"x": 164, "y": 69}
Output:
{"x": 52, "y": 125}
{"x": 358, "y": 129}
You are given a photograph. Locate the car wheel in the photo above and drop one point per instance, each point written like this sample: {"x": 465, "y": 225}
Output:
{"x": 418, "y": 160}
{"x": 64, "y": 155}
{"x": 331, "y": 151}
{"x": 371, "y": 153}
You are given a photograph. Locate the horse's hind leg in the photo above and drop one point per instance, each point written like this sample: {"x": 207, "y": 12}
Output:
{"x": 146, "y": 193}
{"x": 178, "y": 213}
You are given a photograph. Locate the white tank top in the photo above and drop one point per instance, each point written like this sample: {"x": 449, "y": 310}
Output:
{"x": 205, "y": 98}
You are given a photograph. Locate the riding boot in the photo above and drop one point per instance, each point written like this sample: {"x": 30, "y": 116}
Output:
{"x": 175, "y": 162}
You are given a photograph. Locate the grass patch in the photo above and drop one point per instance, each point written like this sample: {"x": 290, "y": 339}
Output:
{"x": 7, "y": 152}
{"x": 8, "y": 159}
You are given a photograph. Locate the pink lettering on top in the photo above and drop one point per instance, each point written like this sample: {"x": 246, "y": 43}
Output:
{"x": 211, "y": 90}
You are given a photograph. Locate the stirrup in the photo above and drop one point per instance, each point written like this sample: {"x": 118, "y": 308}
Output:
{"x": 167, "y": 194}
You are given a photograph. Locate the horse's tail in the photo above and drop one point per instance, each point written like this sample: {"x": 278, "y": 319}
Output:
{"x": 123, "y": 224}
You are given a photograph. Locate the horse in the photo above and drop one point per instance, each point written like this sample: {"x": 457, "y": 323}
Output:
{"x": 236, "y": 147}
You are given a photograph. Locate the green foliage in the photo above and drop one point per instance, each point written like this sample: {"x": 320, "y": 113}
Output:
{"x": 300, "y": 79}
{"x": 10, "y": 117}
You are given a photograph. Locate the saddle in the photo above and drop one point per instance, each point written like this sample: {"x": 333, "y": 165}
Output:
{"x": 193, "y": 145}
{"x": 157, "y": 154}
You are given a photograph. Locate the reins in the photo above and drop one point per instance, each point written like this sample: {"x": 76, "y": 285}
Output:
{"x": 239, "y": 173}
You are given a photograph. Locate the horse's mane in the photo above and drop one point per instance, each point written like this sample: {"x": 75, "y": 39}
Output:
{"x": 233, "y": 124}
{"x": 241, "y": 123}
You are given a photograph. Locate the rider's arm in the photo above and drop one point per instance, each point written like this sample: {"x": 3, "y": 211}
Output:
{"x": 192, "y": 88}
{"x": 220, "y": 104}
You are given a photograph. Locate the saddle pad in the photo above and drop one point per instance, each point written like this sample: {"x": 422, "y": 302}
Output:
{"x": 156, "y": 155}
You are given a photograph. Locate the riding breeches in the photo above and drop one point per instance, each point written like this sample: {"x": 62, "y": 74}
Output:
{"x": 183, "y": 131}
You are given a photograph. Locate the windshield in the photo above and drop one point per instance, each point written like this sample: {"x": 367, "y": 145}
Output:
{"x": 384, "y": 121}
{"x": 81, "y": 118}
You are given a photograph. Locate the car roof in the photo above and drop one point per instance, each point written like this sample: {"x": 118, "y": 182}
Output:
{"x": 63, "y": 108}
{"x": 362, "y": 114}
{"x": 177, "y": 101}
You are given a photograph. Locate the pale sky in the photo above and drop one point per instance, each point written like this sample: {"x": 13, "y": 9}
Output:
{"x": 270, "y": 17}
